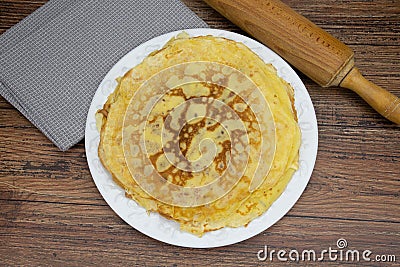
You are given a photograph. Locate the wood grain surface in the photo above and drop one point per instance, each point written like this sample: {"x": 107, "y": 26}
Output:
{"x": 52, "y": 214}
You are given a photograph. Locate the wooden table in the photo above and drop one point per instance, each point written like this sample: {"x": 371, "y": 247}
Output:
{"x": 52, "y": 214}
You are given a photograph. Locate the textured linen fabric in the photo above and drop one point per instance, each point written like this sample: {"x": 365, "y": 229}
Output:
{"x": 52, "y": 62}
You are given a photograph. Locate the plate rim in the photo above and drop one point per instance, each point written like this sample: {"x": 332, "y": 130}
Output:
{"x": 158, "y": 42}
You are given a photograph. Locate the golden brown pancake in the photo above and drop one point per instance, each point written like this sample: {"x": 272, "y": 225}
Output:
{"x": 194, "y": 70}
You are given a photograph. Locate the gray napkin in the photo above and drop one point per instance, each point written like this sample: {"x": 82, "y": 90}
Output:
{"x": 52, "y": 62}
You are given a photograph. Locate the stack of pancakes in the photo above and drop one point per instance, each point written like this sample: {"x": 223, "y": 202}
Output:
{"x": 241, "y": 204}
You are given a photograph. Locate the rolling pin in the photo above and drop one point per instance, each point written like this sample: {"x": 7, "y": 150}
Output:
{"x": 307, "y": 47}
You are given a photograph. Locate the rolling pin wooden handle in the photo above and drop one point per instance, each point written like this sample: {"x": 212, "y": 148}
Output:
{"x": 387, "y": 104}
{"x": 303, "y": 44}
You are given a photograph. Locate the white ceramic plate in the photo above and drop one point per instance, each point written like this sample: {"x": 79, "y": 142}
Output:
{"x": 168, "y": 231}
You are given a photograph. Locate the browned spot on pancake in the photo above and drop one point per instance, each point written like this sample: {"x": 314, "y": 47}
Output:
{"x": 172, "y": 54}
{"x": 177, "y": 92}
{"x": 247, "y": 115}
{"x": 177, "y": 176}
{"x": 154, "y": 158}
{"x": 212, "y": 127}
{"x": 248, "y": 208}
{"x": 196, "y": 127}
{"x": 172, "y": 174}
{"x": 216, "y": 90}
{"x": 104, "y": 112}
{"x": 220, "y": 159}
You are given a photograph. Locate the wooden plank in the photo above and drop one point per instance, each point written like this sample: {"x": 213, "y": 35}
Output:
{"x": 355, "y": 22}
{"x": 75, "y": 235}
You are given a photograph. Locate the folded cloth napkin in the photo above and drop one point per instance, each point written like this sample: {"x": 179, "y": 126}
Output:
{"x": 52, "y": 62}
